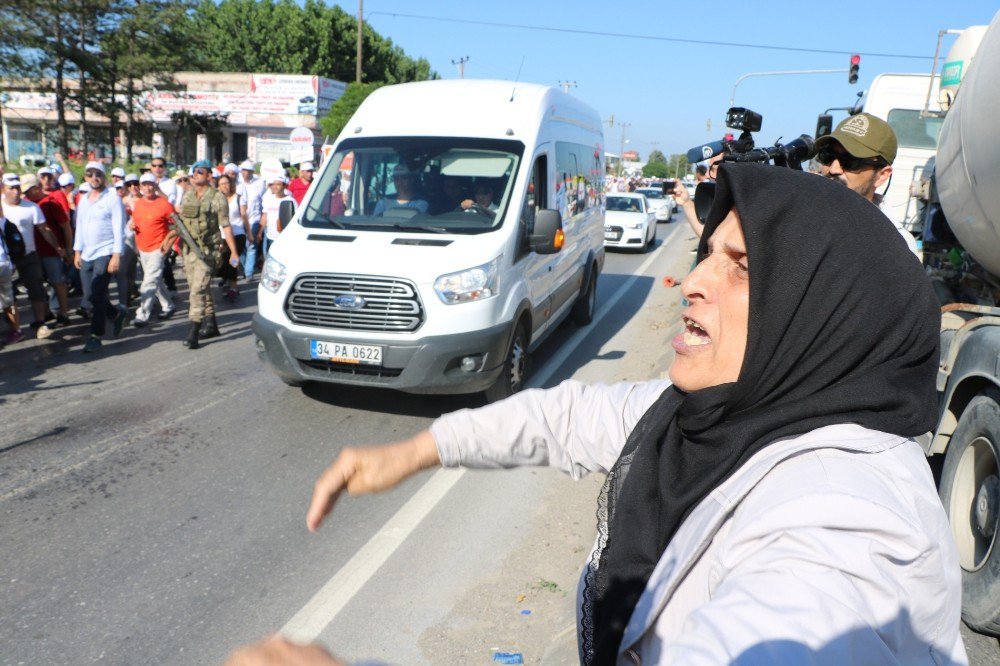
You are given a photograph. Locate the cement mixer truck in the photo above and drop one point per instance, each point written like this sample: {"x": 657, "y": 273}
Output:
{"x": 961, "y": 242}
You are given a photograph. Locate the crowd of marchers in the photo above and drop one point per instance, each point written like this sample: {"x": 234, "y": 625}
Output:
{"x": 104, "y": 251}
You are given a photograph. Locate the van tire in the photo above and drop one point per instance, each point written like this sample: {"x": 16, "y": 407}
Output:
{"x": 515, "y": 367}
{"x": 970, "y": 492}
{"x": 586, "y": 303}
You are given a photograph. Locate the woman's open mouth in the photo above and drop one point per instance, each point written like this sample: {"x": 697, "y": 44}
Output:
{"x": 692, "y": 336}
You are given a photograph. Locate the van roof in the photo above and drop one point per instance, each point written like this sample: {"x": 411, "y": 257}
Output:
{"x": 469, "y": 107}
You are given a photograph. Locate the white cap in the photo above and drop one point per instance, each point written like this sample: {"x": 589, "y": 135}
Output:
{"x": 307, "y": 166}
{"x": 44, "y": 171}
{"x": 9, "y": 178}
{"x": 277, "y": 178}
{"x": 148, "y": 178}
{"x": 55, "y": 168}
{"x": 28, "y": 181}
{"x": 84, "y": 187}
{"x": 180, "y": 173}
{"x": 246, "y": 165}
{"x": 66, "y": 179}
{"x": 231, "y": 167}
{"x": 96, "y": 165}
{"x": 119, "y": 185}
{"x": 118, "y": 172}
{"x": 132, "y": 178}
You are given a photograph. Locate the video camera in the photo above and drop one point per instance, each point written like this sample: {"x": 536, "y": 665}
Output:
{"x": 742, "y": 149}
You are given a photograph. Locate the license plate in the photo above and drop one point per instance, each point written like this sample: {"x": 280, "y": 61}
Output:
{"x": 345, "y": 352}
{"x": 611, "y": 235}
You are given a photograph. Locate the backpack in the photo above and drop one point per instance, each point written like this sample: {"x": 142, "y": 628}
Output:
{"x": 13, "y": 240}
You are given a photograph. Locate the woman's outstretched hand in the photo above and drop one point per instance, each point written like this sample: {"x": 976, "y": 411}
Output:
{"x": 370, "y": 470}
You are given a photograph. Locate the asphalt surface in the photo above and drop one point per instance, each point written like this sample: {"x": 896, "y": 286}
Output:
{"x": 152, "y": 500}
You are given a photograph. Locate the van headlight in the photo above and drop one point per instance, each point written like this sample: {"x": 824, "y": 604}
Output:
{"x": 273, "y": 275}
{"x": 472, "y": 284}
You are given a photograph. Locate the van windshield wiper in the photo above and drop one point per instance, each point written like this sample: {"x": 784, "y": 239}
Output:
{"x": 420, "y": 227}
{"x": 323, "y": 218}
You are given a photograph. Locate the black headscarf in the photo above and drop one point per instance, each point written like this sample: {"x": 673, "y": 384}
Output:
{"x": 843, "y": 328}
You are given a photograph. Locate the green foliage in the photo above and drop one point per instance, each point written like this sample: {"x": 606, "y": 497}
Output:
{"x": 344, "y": 108}
{"x": 282, "y": 37}
{"x": 679, "y": 164}
{"x": 657, "y": 157}
{"x": 656, "y": 170}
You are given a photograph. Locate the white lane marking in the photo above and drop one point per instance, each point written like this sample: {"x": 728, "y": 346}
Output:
{"x": 310, "y": 621}
{"x": 314, "y": 617}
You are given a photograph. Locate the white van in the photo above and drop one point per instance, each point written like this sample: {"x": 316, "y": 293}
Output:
{"x": 454, "y": 226}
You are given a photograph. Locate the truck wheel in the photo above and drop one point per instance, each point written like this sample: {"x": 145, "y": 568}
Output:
{"x": 586, "y": 303}
{"x": 970, "y": 492}
{"x": 515, "y": 368}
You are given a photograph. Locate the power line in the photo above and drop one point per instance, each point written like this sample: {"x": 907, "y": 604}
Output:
{"x": 654, "y": 38}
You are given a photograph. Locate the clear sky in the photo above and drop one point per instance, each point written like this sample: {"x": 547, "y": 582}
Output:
{"x": 668, "y": 91}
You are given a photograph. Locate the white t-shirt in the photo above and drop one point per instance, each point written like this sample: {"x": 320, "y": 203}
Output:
{"x": 169, "y": 188}
{"x": 235, "y": 219}
{"x": 270, "y": 207}
{"x": 26, "y": 216}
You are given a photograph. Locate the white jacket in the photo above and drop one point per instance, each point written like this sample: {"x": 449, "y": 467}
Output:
{"x": 827, "y": 548}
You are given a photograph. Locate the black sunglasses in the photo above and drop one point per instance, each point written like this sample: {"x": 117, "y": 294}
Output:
{"x": 161, "y": 165}
{"x": 848, "y": 162}
{"x": 200, "y": 171}
{"x": 94, "y": 172}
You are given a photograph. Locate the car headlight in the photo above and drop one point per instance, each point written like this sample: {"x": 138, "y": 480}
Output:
{"x": 472, "y": 284}
{"x": 636, "y": 225}
{"x": 273, "y": 275}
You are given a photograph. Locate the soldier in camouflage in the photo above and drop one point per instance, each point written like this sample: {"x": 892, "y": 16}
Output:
{"x": 204, "y": 211}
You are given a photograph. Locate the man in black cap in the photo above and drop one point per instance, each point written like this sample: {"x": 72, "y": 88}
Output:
{"x": 859, "y": 154}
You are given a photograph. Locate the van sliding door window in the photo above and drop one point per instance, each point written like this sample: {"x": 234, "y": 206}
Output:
{"x": 579, "y": 178}
{"x": 451, "y": 185}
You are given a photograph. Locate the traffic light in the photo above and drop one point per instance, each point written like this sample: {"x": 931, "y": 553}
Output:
{"x": 852, "y": 73}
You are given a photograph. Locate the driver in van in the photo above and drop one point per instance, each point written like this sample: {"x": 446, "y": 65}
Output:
{"x": 406, "y": 187}
{"x": 482, "y": 198}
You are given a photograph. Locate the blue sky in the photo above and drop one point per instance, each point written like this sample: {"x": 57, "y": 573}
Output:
{"x": 669, "y": 91}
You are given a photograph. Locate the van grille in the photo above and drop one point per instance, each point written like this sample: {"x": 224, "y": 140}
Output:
{"x": 386, "y": 304}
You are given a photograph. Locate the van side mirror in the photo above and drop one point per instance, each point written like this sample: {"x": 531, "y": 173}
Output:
{"x": 285, "y": 213}
{"x": 824, "y": 125}
{"x": 548, "y": 236}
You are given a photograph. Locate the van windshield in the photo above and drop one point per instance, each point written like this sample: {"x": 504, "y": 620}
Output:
{"x": 447, "y": 185}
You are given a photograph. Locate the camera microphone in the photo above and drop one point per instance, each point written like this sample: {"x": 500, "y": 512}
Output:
{"x": 705, "y": 152}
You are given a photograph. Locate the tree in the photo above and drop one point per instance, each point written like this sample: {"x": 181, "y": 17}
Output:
{"x": 316, "y": 39}
{"x": 655, "y": 170}
{"x": 656, "y": 156}
{"x": 342, "y": 110}
{"x": 678, "y": 165}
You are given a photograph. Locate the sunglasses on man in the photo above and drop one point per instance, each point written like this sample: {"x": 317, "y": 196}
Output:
{"x": 91, "y": 173}
{"x": 848, "y": 162}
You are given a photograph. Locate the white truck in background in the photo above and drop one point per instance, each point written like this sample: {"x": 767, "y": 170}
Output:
{"x": 959, "y": 201}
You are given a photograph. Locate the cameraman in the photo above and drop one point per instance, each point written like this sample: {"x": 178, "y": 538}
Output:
{"x": 704, "y": 174}
{"x": 859, "y": 154}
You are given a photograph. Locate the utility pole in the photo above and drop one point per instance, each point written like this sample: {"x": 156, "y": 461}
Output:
{"x": 611, "y": 120}
{"x": 461, "y": 66}
{"x": 566, "y": 85}
{"x": 621, "y": 153}
{"x": 361, "y": 20}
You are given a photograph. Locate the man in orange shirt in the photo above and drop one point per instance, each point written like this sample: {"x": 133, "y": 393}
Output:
{"x": 152, "y": 217}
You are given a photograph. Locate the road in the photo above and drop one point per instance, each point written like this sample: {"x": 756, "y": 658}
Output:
{"x": 153, "y": 501}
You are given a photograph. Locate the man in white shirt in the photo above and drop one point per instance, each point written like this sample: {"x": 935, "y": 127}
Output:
{"x": 98, "y": 246}
{"x": 27, "y": 216}
{"x": 251, "y": 189}
{"x": 270, "y": 224}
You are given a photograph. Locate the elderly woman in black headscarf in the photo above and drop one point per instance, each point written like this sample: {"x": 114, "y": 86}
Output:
{"x": 769, "y": 503}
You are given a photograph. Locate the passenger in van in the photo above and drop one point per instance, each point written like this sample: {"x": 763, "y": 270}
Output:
{"x": 406, "y": 189}
{"x": 482, "y": 198}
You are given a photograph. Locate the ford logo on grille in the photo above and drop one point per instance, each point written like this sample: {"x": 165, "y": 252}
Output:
{"x": 349, "y": 302}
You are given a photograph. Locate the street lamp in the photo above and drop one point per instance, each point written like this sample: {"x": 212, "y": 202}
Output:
{"x": 621, "y": 153}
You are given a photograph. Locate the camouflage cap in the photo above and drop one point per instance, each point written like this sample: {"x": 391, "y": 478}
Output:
{"x": 863, "y": 135}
